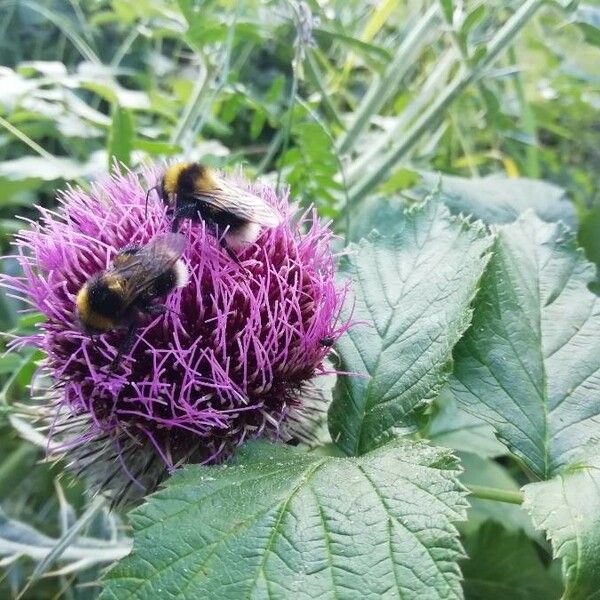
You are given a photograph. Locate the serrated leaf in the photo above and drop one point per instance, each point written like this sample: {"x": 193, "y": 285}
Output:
{"x": 530, "y": 363}
{"x": 498, "y": 199}
{"x": 453, "y": 427}
{"x": 278, "y": 523}
{"x": 567, "y": 508}
{"x": 413, "y": 293}
{"x": 384, "y": 214}
{"x": 504, "y": 565}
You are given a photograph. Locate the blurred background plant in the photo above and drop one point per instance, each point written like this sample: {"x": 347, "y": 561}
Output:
{"x": 343, "y": 100}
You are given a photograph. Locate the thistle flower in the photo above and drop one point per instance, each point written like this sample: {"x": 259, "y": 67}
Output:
{"x": 233, "y": 357}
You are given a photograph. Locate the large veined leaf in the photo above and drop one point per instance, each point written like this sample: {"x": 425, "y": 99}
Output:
{"x": 453, "y": 427}
{"x": 498, "y": 199}
{"x": 505, "y": 565}
{"x": 568, "y": 509}
{"x": 413, "y": 293}
{"x": 385, "y": 214}
{"x": 530, "y": 363}
{"x": 278, "y": 523}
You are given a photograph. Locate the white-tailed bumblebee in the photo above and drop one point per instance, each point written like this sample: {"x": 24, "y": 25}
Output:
{"x": 131, "y": 286}
{"x": 234, "y": 215}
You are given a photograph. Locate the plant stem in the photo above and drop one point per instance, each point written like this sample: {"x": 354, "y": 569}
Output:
{"x": 26, "y": 140}
{"x": 192, "y": 107}
{"x": 529, "y": 124}
{"x": 14, "y": 465}
{"x": 316, "y": 77}
{"x": 489, "y": 493}
{"x": 381, "y": 91}
{"x": 427, "y": 90}
{"x": 464, "y": 78}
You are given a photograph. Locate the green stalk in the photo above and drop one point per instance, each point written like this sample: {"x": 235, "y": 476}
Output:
{"x": 489, "y": 493}
{"x": 427, "y": 91}
{"x": 462, "y": 80}
{"x": 220, "y": 81}
{"x": 316, "y": 78}
{"x": 124, "y": 48}
{"x": 14, "y": 465}
{"x": 192, "y": 107}
{"x": 65, "y": 26}
{"x": 26, "y": 140}
{"x": 382, "y": 90}
{"x": 270, "y": 153}
{"x": 529, "y": 124}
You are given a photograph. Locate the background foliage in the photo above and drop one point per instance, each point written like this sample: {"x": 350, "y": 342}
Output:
{"x": 357, "y": 106}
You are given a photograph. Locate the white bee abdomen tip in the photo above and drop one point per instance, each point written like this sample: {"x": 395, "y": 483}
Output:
{"x": 247, "y": 233}
{"x": 182, "y": 275}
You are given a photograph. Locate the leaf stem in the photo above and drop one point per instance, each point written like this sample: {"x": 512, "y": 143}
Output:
{"x": 489, "y": 493}
{"x": 430, "y": 117}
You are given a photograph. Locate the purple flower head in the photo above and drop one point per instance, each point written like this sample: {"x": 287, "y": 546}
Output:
{"x": 231, "y": 359}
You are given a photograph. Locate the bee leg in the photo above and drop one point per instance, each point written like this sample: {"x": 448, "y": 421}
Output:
{"x": 158, "y": 309}
{"x": 234, "y": 257}
{"x": 230, "y": 252}
{"x": 125, "y": 346}
{"x": 155, "y": 309}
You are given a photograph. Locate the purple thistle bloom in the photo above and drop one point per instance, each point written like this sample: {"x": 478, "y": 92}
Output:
{"x": 232, "y": 359}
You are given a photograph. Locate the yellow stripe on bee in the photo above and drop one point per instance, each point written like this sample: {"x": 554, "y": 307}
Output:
{"x": 171, "y": 177}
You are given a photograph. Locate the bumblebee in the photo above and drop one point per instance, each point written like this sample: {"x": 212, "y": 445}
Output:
{"x": 129, "y": 289}
{"x": 234, "y": 215}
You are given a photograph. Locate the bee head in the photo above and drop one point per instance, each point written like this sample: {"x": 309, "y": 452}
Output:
{"x": 174, "y": 180}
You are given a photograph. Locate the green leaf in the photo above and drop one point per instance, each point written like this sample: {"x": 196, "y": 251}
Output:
{"x": 587, "y": 17}
{"x": 354, "y": 43}
{"x": 447, "y": 10}
{"x": 384, "y": 214}
{"x": 455, "y": 428}
{"x": 278, "y": 523}
{"x": 497, "y": 199}
{"x": 589, "y": 235}
{"x": 530, "y": 363}
{"x": 505, "y": 565}
{"x": 469, "y": 23}
{"x": 120, "y": 140}
{"x": 568, "y": 509}
{"x": 20, "y": 539}
{"x": 413, "y": 293}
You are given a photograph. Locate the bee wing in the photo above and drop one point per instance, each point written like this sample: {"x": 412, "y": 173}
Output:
{"x": 139, "y": 269}
{"x": 241, "y": 203}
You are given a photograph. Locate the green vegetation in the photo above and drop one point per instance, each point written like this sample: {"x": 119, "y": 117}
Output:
{"x": 487, "y": 343}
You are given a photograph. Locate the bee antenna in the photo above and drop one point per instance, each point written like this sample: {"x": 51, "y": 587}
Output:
{"x": 154, "y": 187}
